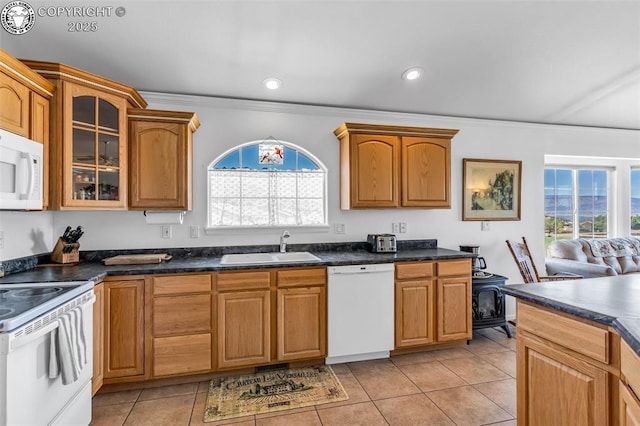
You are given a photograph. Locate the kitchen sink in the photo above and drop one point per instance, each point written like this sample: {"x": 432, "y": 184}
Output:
{"x": 258, "y": 258}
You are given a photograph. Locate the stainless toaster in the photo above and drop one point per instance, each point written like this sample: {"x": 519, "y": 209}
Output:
{"x": 381, "y": 243}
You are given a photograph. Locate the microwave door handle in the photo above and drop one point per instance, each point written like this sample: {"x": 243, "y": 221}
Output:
{"x": 31, "y": 168}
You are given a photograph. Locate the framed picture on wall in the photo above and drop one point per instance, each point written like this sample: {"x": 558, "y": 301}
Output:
{"x": 491, "y": 189}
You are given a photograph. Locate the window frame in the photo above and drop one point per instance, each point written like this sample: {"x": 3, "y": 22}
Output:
{"x": 632, "y": 168}
{"x": 268, "y": 229}
{"x": 575, "y": 213}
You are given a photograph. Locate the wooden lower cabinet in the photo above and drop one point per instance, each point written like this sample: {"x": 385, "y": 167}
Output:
{"x": 244, "y": 328}
{"x": 568, "y": 369}
{"x": 271, "y": 315}
{"x": 453, "y": 316}
{"x": 556, "y": 388}
{"x": 415, "y": 313}
{"x": 176, "y": 355}
{"x": 301, "y": 323}
{"x": 181, "y": 328}
{"x": 98, "y": 338}
{"x": 629, "y": 407}
{"x": 432, "y": 302}
{"x": 629, "y": 386}
{"x": 124, "y": 328}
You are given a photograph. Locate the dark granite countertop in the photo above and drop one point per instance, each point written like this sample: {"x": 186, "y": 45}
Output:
{"x": 208, "y": 260}
{"x": 613, "y": 301}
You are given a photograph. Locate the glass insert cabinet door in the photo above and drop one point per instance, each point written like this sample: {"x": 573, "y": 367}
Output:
{"x": 95, "y": 148}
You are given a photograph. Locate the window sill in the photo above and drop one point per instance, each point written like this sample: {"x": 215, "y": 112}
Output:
{"x": 265, "y": 230}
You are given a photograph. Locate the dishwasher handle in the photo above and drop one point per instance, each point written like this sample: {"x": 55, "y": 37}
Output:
{"x": 361, "y": 269}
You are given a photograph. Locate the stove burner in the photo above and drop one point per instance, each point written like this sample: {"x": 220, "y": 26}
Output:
{"x": 33, "y": 292}
{"x": 6, "y": 311}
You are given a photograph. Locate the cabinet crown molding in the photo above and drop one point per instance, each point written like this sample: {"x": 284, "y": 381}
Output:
{"x": 154, "y": 115}
{"x": 25, "y": 75}
{"x": 58, "y": 71}
{"x": 393, "y": 130}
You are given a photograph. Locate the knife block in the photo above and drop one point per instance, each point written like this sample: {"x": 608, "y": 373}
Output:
{"x": 65, "y": 253}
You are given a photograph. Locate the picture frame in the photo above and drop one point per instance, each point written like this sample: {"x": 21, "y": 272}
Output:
{"x": 491, "y": 189}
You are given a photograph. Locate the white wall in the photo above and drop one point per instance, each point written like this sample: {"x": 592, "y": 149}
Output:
{"x": 25, "y": 233}
{"x": 227, "y": 123}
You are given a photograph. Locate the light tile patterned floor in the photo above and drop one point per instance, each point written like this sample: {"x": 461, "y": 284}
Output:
{"x": 471, "y": 385}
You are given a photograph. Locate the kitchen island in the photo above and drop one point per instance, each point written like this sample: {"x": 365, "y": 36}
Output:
{"x": 578, "y": 351}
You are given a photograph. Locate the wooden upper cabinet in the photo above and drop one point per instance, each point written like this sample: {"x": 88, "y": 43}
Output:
{"x": 426, "y": 172}
{"x": 391, "y": 166}
{"x": 375, "y": 163}
{"x": 161, "y": 154}
{"x": 14, "y": 98}
{"x": 88, "y": 138}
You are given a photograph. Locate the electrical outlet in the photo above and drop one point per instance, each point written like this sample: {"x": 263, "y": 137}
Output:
{"x": 395, "y": 227}
{"x": 339, "y": 228}
{"x": 1, "y": 239}
{"x": 194, "y": 231}
{"x": 403, "y": 227}
{"x": 166, "y": 231}
{"x": 485, "y": 225}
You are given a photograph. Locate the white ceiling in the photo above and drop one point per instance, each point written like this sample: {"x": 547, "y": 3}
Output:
{"x": 561, "y": 62}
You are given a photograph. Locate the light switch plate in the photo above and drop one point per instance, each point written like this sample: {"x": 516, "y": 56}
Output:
{"x": 339, "y": 228}
{"x": 486, "y": 225}
{"x": 194, "y": 231}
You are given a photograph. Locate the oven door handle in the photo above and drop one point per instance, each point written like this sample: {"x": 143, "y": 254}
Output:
{"x": 25, "y": 340}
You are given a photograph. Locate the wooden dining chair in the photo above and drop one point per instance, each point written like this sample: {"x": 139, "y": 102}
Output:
{"x": 523, "y": 258}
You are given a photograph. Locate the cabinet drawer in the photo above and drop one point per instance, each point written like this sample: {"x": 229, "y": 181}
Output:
{"x": 179, "y": 284}
{"x": 181, "y": 314}
{"x": 407, "y": 271}
{"x": 575, "y": 335}
{"x": 243, "y": 280}
{"x": 181, "y": 354}
{"x": 301, "y": 277}
{"x": 630, "y": 367}
{"x": 454, "y": 267}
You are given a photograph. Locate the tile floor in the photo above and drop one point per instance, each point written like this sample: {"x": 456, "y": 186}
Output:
{"x": 471, "y": 385}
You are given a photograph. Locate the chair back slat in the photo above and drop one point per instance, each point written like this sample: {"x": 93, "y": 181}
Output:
{"x": 522, "y": 256}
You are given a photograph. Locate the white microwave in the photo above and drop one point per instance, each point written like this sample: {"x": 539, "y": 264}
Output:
{"x": 21, "y": 172}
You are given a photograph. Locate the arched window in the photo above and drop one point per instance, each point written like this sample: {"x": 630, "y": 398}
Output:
{"x": 267, "y": 183}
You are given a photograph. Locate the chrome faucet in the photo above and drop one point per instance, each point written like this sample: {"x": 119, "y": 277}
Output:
{"x": 283, "y": 241}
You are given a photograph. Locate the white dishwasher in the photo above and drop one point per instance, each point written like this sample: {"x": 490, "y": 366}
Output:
{"x": 360, "y": 312}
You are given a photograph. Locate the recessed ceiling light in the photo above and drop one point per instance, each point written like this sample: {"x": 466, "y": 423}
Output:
{"x": 412, "y": 73}
{"x": 272, "y": 83}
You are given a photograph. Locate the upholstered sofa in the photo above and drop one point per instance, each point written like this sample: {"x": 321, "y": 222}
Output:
{"x": 594, "y": 257}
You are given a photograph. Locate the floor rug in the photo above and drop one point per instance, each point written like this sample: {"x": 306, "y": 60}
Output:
{"x": 272, "y": 390}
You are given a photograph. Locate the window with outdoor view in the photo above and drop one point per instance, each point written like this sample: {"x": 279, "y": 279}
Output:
{"x": 268, "y": 183}
{"x": 576, "y": 203}
{"x": 635, "y": 202}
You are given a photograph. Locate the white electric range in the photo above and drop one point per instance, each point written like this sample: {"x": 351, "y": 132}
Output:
{"x": 29, "y": 312}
